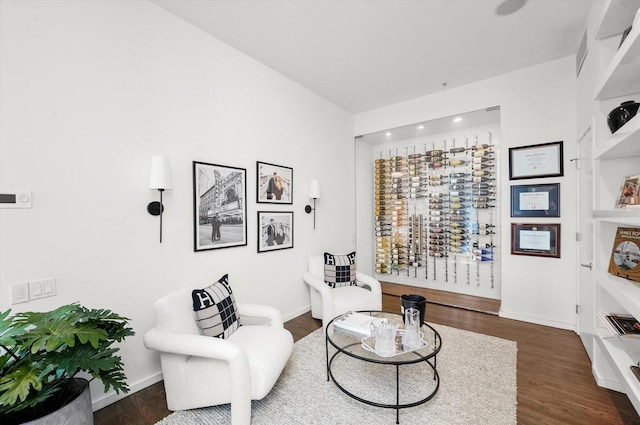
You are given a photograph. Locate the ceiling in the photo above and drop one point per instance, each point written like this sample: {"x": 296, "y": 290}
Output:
{"x": 365, "y": 54}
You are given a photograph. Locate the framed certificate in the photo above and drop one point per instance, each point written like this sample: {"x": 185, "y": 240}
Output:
{"x": 535, "y": 161}
{"x": 542, "y": 240}
{"x": 535, "y": 200}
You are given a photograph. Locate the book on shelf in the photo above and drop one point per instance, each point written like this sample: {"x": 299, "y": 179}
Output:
{"x": 629, "y": 194}
{"x": 625, "y": 255}
{"x": 621, "y": 325}
{"x": 355, "y": 323}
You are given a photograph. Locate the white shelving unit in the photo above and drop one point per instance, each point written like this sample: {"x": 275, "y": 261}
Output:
{"x": 614, "y": 157}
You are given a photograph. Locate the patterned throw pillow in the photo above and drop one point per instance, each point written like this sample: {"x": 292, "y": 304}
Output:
{"x": 340, "y": 270}
{"x": 216, "y": 310}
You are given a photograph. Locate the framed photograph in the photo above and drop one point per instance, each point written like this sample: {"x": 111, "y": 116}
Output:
{"x": 535, "y": 200}
{"x": 275, "y": 230}
{"x": 542, "y": 240}
{"x": 275, "y": 184}
{"x": 629, "y": 194}
{"x": 535, "y": 161}
{"x": 219, "y": 206}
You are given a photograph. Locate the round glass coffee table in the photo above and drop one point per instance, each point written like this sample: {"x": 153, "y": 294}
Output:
{"x": 379, "y": 380}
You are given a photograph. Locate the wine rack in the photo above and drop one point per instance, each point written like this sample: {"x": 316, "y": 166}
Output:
{"x": 435, "y": 216}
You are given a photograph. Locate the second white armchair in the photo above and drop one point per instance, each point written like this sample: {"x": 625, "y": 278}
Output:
{"x": 328, "y": 302}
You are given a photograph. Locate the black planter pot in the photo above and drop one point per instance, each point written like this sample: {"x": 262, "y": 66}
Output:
{"x": 621, "y": 114}
{"x": 72, "y": 406}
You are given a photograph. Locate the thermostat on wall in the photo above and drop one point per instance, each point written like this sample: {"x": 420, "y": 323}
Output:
{"x": 15, "y": 199}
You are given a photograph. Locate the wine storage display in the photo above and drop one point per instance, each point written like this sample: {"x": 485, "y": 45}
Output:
{"x": 435, "y": 215}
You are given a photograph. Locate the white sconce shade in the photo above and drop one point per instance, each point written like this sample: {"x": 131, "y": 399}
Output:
{"x": 314, "y": 189}
{"x": 160, "y": 176}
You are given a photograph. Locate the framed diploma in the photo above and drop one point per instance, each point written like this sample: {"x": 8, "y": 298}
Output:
{"x": 542, "y": 240}
{"x": 535, "y": 161}
{"x": 535, "y": 200}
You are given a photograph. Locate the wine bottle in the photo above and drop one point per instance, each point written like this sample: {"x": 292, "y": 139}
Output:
{"x": 479, "y": 173}
{"x": 434, "y": 153}
{"x": 457, "y": 193}
{"x": 482, "y": 206}
{"x": 456, "y": 162}
{"x": 482, "y": 159}
{"x": 457, "y": 150}
{"x": 481, "y": 166}
{"x": 457, "y": 175}
{"x": 457, "y": 200}
{"x": 481, "y": 153}
{"x": 434, "y": 165}
{"x": 481, "y": 147}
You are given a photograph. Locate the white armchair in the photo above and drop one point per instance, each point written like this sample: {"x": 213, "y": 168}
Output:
{"x": 202, "y": 371}
{"x": 327, "y": 302}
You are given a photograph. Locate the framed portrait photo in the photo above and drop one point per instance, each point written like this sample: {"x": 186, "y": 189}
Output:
{"x": 541, "y": 240}
{"x": 274, "y": 184}
{"x": 219, "y": 206}
{"x": 536, "y": 161}
{"x": 535, "y": 200}
{"x": 275, "y": 230}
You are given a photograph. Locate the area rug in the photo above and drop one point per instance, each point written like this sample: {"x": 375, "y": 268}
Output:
{"x": 477, "y": 386}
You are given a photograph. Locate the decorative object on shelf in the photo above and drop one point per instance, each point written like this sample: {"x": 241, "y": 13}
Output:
{"x": 274, "y": 184}
{"x": 42, "y": 354}
{"x": 219, "y": 206}
{"x": 275, "y": 230}
{"x": 542, "y": 240}
{"x": 160, "y": 179}
{"x": 620, "y": 115}
{"x": 629, "y": 194}
{"x": 535, "y": 200}
{"x": 625, "y": 255}
{"x": 535, "y": 161}
{"x": 314, "y": 193}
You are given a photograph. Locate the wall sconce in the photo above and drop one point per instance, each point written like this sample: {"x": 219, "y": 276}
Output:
{"x": 159, "y": 178}
{"x": 314, "y": 193}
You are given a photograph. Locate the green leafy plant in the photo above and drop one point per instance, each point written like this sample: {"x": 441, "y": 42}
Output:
{"x": 41, "y": 353}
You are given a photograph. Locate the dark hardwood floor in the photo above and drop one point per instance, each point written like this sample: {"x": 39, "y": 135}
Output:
{"x": 555, "y": 384}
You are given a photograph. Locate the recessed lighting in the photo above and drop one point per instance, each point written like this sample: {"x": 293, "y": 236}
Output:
{"x": 388, "y": 133}
{"x": 420, "y": 127}
{"x": 457, "y": 119}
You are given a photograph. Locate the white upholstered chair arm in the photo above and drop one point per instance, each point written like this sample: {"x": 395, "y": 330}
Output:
{"x": 192, "y": 345}
{"x": 213, "y": 348}
{"x": 366, "y": 280}
{"x": 262, "y": 311}
{"x": 317, "y": 284}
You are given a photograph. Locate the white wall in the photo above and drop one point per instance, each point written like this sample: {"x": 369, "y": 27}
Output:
{"x": 89, "y": 91}
{"x": 537, "y": 105}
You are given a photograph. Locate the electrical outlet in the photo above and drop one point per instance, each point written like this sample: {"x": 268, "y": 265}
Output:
{"x": 19, "y": 293}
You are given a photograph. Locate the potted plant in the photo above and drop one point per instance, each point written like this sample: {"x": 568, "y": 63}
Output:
{"x": 42, "y": 352}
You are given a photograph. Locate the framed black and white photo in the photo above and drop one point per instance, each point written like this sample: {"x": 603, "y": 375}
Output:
{"x": 219, "y": 206}
{"x": 275, "y": 230}
{"x": 535, "y": 200}
{"x": 542, "y": 240}
{"x": 536, "y": 161}
{"x": 274, "y": 184}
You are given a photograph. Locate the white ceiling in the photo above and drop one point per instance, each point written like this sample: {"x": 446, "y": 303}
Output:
{"x": 365, "y": 54}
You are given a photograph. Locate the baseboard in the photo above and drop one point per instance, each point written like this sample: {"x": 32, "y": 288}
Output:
{"x": 111, "y": 397}
{"x": 296, "y": 313}
{"x": 538, "y": 321}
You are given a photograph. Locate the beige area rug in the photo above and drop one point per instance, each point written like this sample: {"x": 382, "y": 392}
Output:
{"x": 477, "y": 386}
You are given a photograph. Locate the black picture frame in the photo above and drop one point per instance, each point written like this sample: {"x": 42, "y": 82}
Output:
{"x": 267, "y": 176}
{"x": 536, "y": 161}
{"x": 535, "y": 200}
{"x": 275, "y": 230}
{"x": 219, "y": 206}
{"x": 540, "y": 240}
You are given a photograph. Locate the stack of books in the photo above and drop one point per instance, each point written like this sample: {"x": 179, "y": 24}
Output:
{"x": 621, "y": 325}
{"x": 356, "y": 324}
